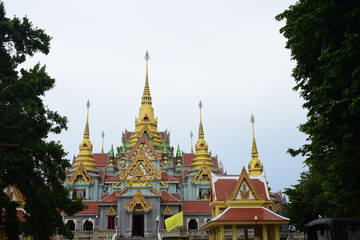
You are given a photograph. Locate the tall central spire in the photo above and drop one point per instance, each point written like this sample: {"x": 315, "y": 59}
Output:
{"x": 146, "y": 123}
{"x": 201, "y": 156}
{"x": 146, "y": 95}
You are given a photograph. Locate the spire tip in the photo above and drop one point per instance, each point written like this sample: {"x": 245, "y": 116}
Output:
{"x": 147, "y": 57}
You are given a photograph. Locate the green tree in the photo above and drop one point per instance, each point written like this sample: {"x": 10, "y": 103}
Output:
{"x": 324, "y": 39}
{"x": 27, "y": 160}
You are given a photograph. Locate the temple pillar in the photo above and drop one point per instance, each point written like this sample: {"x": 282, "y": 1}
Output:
{"x": 276, "y": 232}
{"x": 264, "y": 232}
{"x": 234, "y": 232}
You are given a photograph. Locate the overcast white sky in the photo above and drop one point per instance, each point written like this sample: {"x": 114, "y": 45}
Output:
{"x": 227, "y": 53}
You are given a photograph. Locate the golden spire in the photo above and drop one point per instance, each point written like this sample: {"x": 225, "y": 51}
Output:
{"x": 102, "y": 144}
{"x": 146, "y": 95}
{"x": 201, "y": 156}
{"x": 255, "y": 166}
{"x": 146, "y": 123}
{"x": 85, "y": 156}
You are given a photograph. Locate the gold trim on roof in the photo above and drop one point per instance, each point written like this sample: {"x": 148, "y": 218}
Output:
{"x": 143, "y": 145}
{"x": 152, "y": 190}
{"x": 203, "y": 175}
{"x": 244, "y": 189}
{"x": 14, "y": 194}
{"x": 111, "y": 211}
{"x": 80, "y": 175}
{"x": 142, "y": 161}
{"x": 167, "y": 211}
{"x": 138, "y": 203}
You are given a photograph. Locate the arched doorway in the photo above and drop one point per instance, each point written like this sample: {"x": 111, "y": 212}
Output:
{"x": 70, "y": 225}
{"x": 193, "y": 224}
{"x": 88, "y": 225}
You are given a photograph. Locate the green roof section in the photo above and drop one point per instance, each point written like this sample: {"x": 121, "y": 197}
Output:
{"x": 178, "y": 153}
{"x": 111, "y": 153}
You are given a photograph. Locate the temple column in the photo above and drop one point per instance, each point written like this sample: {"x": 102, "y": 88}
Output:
{"x": 264, "y": 232}
{"x": 276, "y": 232}
{"x": 234, "y": 232}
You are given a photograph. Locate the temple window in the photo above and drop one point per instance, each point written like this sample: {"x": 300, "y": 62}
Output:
{"x": 70, "y": 225}
{"x": 193, "y": 224}
{"x": 88, "y": 225}
{"x": 204, "y": 193}
{"x": 78, "y": 193}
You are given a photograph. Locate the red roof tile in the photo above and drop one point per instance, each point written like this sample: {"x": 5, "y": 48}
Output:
{"x": 92, "y": 208}
{"x": 277, "y": 197}
{"x": 196, "y": 206}
{"x": 248, "y": 214}
{"x": 127, "y": 135}
{"x": 163, "y": 135}
{"x": 101, "y": 159}
{"x": 167, "y": 197}
{"x": 20, "y": 214}
{"x": 215, "y": 162}
{"x": 224, "y": 187}
{"x": 166, "y": 177}
{"x": 109, "y": 198}
{"x": 260, "y": 188}
{"x": 112, "y": 178}
{"x": 187, "y": 159}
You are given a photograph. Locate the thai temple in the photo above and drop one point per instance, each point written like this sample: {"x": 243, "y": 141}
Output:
{"x": 131, "y": 190}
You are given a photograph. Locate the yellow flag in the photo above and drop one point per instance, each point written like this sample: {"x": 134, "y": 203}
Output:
{"x": 174, "y": 221}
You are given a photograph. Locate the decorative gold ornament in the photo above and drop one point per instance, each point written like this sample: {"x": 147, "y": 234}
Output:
{"x": 203, "y": 175}
{"x": 80, "y": 175}
{"x": 138, "y": 203}
{"x": 152, "y": 190}
{"x": 167, "y": 211}
{"x": 111, "y": 211}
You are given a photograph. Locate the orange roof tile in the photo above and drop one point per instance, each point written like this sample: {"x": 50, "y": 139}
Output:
{"x": 224, "y": 187}
{"x": 215, "y": 162}
{"x": 92, "y": 208}
{"x": 196, "y": 206}
{"x": 260, "y": 188}
{"x": 187, "y": 159}
{"x": 248, "y": 214}
{"x": 109, "y": 198}
{"x": 101, "y": 159}
{"x": 167, "y": 197}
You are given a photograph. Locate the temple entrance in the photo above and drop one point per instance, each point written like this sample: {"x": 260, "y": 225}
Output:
{"x": 138, "y": 225}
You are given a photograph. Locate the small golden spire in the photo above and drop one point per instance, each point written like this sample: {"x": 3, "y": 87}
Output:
{"x": 255, "y": 166}
{"x": 102, "y": 145}
{"x": 254, "y": 151}
{"x": 201, "y": 156}
{"x": 201, "y": 128}
{"x": 85, "y": 156}
{"x": 87, "y": 131}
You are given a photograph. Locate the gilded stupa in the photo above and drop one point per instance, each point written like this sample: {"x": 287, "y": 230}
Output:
{"x": 202, "y": 155}
{"x": 255, "y": 166}
{"x": 146, "y": 123}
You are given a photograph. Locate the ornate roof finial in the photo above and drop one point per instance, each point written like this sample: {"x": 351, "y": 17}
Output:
{"x": 87, "y": 131}
{"x": 146, "y": 95}
{"x": 201, "y": 155}
{"x": 85, "y": 156}
{"x": 192, "y": 149}
{"x": 254, "y": 151}
{"x": 102, "y": 145}
{"x": 255, "y": 165}
{"x": 201, "y": 129}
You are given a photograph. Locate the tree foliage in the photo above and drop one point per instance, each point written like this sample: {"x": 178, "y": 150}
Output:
{"x": 324, "y": 39}
{"x": 27, "y": 160}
